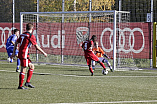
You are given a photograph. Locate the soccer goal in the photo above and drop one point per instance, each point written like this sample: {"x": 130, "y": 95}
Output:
{"x": 61, "y": 34}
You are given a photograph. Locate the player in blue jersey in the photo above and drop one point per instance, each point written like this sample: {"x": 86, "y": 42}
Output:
{"x": 10, "y": 46}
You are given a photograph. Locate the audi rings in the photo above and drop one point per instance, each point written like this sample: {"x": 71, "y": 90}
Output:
{"x": 3, "y": 35}
{"x": 122, "y": 38}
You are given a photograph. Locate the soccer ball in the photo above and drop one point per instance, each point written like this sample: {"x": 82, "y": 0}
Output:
{"x": 104, "y": 72}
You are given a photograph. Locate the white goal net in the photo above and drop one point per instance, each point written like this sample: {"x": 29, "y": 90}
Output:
{"x": 61, "y": 34}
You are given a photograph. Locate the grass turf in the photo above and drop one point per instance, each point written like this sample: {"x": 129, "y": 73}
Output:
{"x": 73, "y": 84}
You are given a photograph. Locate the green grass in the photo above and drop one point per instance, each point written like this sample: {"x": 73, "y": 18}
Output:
{"x": 73, "y": 84}
{"x": 80, "y": 60}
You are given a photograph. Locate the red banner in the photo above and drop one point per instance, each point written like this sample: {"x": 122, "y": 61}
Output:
{"x": 57, "y": 38}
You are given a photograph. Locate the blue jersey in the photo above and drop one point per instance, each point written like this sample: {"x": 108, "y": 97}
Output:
{"x": 9, "y": 43}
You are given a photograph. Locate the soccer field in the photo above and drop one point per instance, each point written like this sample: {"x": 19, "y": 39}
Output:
{"x": 74, "y": 85}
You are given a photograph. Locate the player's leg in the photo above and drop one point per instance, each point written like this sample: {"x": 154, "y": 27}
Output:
{"x": 18, "y": 65}
{"x": 101, "y": 63}
{"x": 108, "y": 64}
{"x": 93, "y": 65}
{"x": 10, "y": 52}
{"x": 22, "y": 73}
{"x": 91, "y": 70}
{"x": 104, "y": 71}
{"x": 18, "y": 61}
{"x": 29, "y": 74}
{"x": 88, "y": 59}
{"x": 98, "y": 61}
{"x": 8, "y": 60}
{"x": 21, "y": 77}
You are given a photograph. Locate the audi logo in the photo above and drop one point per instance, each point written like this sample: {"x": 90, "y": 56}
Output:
{"x": 122, "y": 38}
{"x": 3, "y": 35}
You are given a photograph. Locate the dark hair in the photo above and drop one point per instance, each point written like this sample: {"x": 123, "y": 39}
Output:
{"x": 95, "y": 43}
{"x": 15, "y": 30}
{"x": 94, "y": 36}
{"x": 29, "y": 26}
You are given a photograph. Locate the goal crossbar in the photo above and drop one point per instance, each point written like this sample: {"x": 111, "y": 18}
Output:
{"x": 74, "y": 12}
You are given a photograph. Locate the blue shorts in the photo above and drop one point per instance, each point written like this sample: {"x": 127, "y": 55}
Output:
{"x": 10, "y": 51}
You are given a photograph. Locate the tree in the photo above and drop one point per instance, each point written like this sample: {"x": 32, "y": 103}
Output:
{"x": 97, "y": 5}
{"x": 5, "y": 10}
{"x": 24, "y": 6}
{"x": 50, "y": 5}
{"x": 6, "y": 7}
{"x": 81, "y": 5}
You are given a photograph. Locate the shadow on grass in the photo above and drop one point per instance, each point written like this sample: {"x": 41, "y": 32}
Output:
{"x": 8, "y": 89}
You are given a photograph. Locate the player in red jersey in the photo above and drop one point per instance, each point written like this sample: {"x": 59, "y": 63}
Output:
{"x": 89, "y": 55}
{"x": 26, "y": 40}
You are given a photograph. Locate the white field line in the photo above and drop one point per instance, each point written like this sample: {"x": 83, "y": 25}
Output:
{"x": 113, "y": 76}
{"x": 72, "y": 75}
{"x": 114, "y": 102}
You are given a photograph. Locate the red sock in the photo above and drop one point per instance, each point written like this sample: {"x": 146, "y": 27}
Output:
{"x": 29, "y": 75}
{"x": 90, "y": 69}
{"x": 102, "y": 65}
{"x": 21, "y": 79}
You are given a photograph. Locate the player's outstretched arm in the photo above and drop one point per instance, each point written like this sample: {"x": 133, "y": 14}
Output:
{"x": 106, "y": 56}
{"x": 15, "y": 47}
{"x": 38, "y": 48}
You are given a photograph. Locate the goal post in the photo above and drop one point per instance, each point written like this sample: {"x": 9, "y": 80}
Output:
{"x": 154, "y": 44}
{"x": 114, "y": 39}
{"x": 62, "y": 38}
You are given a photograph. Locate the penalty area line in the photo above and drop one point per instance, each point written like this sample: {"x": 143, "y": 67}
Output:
{"x": 114, "y": 102}
{"x": 74, "y": 75}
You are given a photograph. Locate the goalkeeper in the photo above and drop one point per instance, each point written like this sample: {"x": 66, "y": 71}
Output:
{"x": 100, "y": 54}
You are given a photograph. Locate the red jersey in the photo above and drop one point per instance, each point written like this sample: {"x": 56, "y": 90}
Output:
{"x": 26, "y": 40}
{"x": 89, "y": 55}
{"x": 86, "y": 45}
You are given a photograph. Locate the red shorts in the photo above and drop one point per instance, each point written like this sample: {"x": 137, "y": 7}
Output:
{"x": 25, "y": 62}
{"x": 90, "y": 56}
